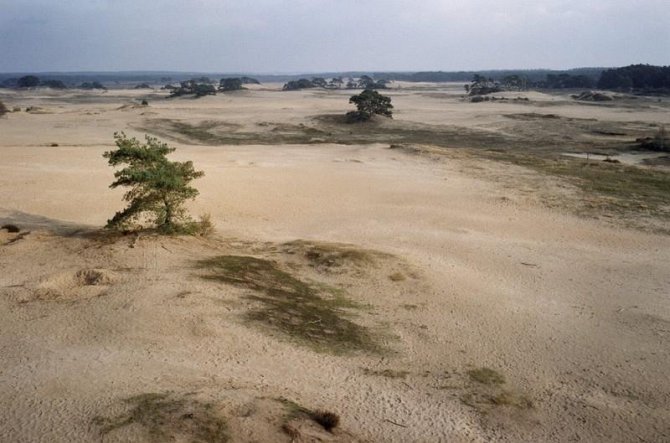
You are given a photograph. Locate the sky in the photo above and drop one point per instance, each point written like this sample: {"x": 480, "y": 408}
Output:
{"x": 302, "y": 36}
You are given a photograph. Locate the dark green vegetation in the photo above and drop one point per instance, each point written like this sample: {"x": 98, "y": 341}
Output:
{"x": 92, "y": 85}
{"x": 311, "y": 314}
{"x": 168, "y": 417}
{"x": 193, "y": 87}
{"x": 369, "y": 103}
{"x": 158, "y": 187}
{"x": 230, "y": 84}
{"x": 28, "y": 81}
{"x": 364, "y": 82}
{"x": 639, "y": 77}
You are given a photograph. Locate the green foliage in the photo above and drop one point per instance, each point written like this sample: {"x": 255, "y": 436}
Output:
{"x": 158, "y": 187}
{"x": 369, "y": 103}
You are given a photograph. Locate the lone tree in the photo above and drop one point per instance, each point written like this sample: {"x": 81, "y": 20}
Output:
{"x": 158, "y": 187}
{"x": 369, "y": 103}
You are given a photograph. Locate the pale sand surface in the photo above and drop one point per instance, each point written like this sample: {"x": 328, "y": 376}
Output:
{"x": 573, "y": 312}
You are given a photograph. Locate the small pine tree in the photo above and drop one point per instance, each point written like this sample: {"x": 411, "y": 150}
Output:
{"x": 158, "y": 187}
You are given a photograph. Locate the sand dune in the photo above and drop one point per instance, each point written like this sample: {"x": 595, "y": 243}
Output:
{"x": 485, "y": 314}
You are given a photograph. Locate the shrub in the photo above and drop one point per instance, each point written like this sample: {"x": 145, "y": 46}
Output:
{"x": 158, "y": 187}
{"x": 3, "y": 109}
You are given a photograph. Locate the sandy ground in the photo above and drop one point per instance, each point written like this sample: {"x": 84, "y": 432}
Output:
{"x": 573, "y": 313}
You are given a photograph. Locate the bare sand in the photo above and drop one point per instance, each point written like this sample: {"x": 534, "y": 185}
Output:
{"x": 572, "y": 313}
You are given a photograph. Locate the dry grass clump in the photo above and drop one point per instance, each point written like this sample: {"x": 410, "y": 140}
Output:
{"x": 292, "y": 306}
{"x": 167, "y": 417}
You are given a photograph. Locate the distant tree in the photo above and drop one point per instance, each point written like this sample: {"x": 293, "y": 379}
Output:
{"x": 203, "y": 89}
{"x": 92, "y": 85}
{"x": 563, "y": 81}
{"x": 639, "y": 77}
{"x": 369, "y": 103}
{"x": 295, "y": 85}
{"x": 367, "y": 82}
{"x": 249, "y": 81}
{"x": 335, "y": 83}
{"x": 28, "y": 81}
{"x": 230, "y": 84}
{"x": 192, "y": 87}
{"x": 481, "y": 85}
{"x": 158, "y": 187}
{"x": 319, "y": 82}
{"x": 3, "y": 109}
{"x": 53, "y": 84}
{"x": 514, "y": 82}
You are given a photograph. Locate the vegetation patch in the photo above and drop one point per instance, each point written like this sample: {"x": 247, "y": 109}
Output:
{"x": 297, "y": 309}
{"x": 168, "y": 417}
{"x": 388, "y": 373}
{"x": 332, "y": 257}
{"x": 486, "y": 376}
{"x": 629, "y": 191}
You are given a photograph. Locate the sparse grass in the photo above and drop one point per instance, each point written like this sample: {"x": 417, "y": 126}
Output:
{"x": 292, "y": 306}
{"x": 486, "y": 376}
{"x": 388, "y": 373}
{"x": 621, "y": 189}
{"x": 397, "y": 276}
{"x": 507, "y": 398}
{"x": 332, "y": 257}
{"x": 167, "y": 417}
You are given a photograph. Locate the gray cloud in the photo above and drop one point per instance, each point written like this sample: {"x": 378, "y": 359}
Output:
{"x": 319, "y": 35}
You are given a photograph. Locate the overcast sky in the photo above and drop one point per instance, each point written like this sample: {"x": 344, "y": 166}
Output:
{"x": 272, "y": 36}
